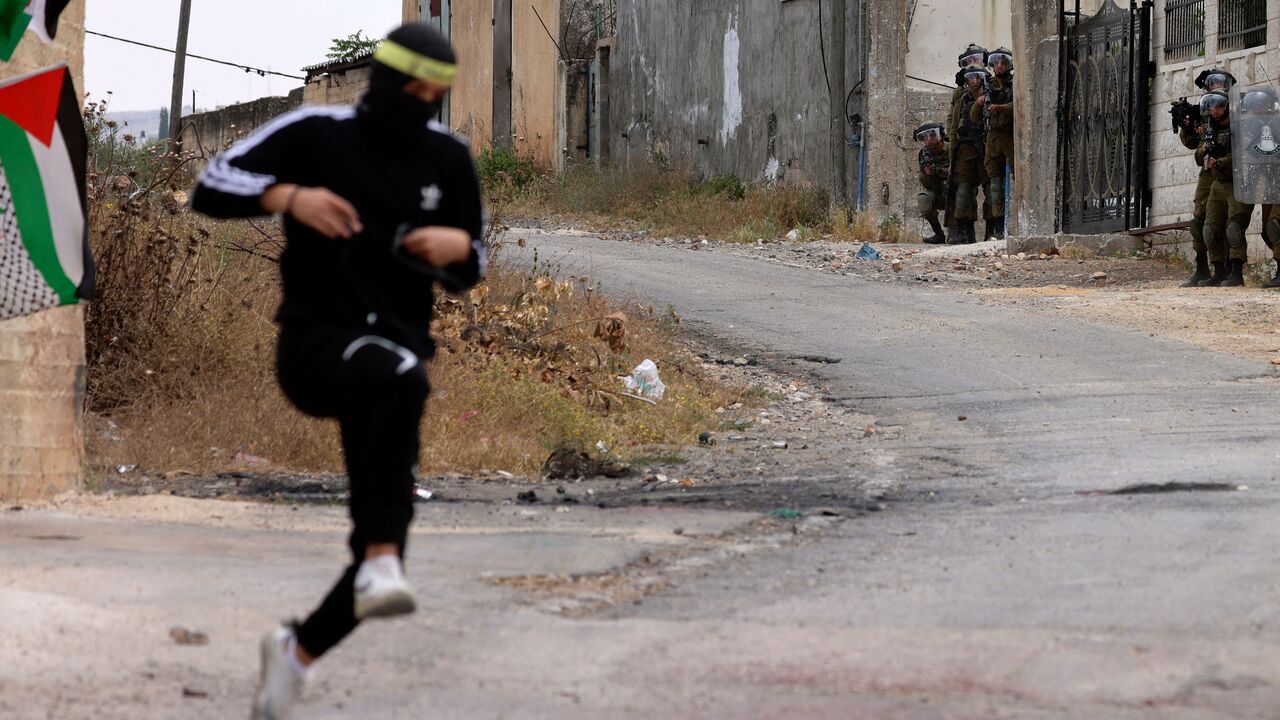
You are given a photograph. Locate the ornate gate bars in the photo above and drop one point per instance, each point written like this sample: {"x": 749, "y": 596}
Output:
{"x": 1104, "y": 119}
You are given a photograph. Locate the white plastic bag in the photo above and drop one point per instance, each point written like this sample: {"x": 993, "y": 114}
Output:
{"x": 644, "y": 381}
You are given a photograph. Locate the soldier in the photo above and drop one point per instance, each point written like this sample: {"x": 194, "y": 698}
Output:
{"x": 1257, "y": 166}
{"x": 995, "y": 109}
{"x": 1190, "y": 129}
{"x": 973, "y": 56}
{"x": 1225, "y": 217}
{"x": 935, "y": 165}
{"x": 967, "y": 173}
{"x": 1271, "y": 236}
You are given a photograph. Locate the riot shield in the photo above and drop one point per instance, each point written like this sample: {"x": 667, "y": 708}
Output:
{"x": 1255, "y": 144}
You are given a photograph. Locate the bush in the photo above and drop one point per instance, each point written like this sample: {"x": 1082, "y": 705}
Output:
{"x": 504, "y": 173}
{"x": 728, "y": 186}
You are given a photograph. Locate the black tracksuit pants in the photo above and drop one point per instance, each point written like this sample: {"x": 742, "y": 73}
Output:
{"x": 377, "y": 391}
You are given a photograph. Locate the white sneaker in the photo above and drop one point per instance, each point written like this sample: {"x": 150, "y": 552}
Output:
{"x": 381, "y": 590}
{"x": 279, "y": 684}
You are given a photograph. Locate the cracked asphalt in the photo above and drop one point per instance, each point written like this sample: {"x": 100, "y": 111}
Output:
{"x": 993, "y": 576}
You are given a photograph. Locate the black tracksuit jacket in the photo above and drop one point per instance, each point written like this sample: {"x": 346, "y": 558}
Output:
{"x": 397, "y": 178}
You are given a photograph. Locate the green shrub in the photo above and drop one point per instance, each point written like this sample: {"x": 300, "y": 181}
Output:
{"x": 503, "y": 172}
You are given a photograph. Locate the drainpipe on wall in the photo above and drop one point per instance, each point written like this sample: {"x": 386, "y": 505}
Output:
{"x": 839, "y": 162}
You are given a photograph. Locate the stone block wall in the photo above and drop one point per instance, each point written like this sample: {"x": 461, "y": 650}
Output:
{"x": 1172, "y": 171}
{"x": 209, "y": 133}
{"x": 42, "y": 355}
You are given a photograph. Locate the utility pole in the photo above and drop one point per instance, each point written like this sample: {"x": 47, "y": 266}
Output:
{"x": 839, "y": 148}
{"x": 179, "y": 72}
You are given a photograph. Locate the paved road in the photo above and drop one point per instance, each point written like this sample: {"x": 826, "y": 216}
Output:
{"x": 1001, "y": 582}
{"x": 997, "y": 583}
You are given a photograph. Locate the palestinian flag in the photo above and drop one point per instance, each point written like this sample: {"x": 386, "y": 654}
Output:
{"x": 45, "y": 15}
{"x": 44, "y": 250}
{"x": 13, "y": 22}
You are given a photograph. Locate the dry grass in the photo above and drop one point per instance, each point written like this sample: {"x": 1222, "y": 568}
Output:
{"x": 181, "y": 359}
{"x": 667, "y": 202}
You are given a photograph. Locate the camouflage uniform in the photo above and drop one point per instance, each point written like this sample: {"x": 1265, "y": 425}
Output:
{"x": 1225, "y": 216}
{"x": 966, "y": 156}
{"x": 958, "y": 100}
{"x": 1191, "y": 140}
{"x": 933, "y": 187}
{"x": 999, "y": 149}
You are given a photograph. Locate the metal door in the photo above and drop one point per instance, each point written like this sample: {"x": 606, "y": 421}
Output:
{"x": 1104, "y": 124}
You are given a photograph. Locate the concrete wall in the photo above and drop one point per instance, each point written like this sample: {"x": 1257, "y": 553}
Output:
{"x": 471, "y": 100}
{"x": 214, "y": 131}
{"x": 344, "y": 87}
{"x": 731, "y": 87}
{"x": 1172, "y": 170}
{"x": 538, "y": 85}
{"x": 538, "y": 78}
{"x": 42, "y": 355}
{"x": 940, "y": 29}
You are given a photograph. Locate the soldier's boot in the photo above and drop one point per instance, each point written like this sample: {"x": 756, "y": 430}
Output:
{"x": 956, "y": 236}
{"x": 970, "y": 236}
{"x": 1275, "y": 281}
{"x": 1221, "y": 271}
{"x": 1236, "y": 278}
{"x": 1202, "y": 272}
{"x": 997, "y": 232}
{"x": 938, "y": 236}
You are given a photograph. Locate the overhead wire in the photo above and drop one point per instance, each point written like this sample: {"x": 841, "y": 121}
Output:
{"x": 238, "y": 66}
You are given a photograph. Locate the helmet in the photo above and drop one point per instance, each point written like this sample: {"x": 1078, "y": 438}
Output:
{"x": 1000, "y": 61}
{"x": 930, "y": 131}
{"x": 972, "y": 76}
{"x": 1215, "y": 79}
{"x": 973, "y": 55}
{"x": 1259, "y": 101}
{"x": 1215, "y": 99}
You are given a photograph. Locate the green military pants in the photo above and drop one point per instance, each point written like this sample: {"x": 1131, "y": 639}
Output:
{"x": 999, "y": 155}
{"x": 1226, "y": 220}
{"x": 969, "y": 176}
{"x": 930, "y": 202}
{"x": 1271, "y": 229}
{"x": 1203, "y": 185}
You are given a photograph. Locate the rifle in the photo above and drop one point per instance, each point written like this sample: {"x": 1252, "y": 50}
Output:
{"x": 949, "y": 214}
{"x": 1184, "y": 115}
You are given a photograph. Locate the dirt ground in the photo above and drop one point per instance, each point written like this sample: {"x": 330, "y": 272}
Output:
{"x": 778, "y": 455}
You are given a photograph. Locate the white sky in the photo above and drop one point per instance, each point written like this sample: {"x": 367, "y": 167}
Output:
{"x": 282, "y": 35}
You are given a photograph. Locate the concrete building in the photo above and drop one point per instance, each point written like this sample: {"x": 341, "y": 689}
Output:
{"x": 761, "y": 97}
{"x": 42, "y": 356}
{"x": 514, "y": 63}
{"x": 338, "y": 82}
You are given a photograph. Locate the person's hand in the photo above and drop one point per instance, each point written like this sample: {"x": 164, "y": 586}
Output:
{"x": 1209, "y": 162}
{"x": 320, "y": 209}
{"x": 438, "y": 246}
{"x": 928, "y": 169}
{"x": 981, "y": 100}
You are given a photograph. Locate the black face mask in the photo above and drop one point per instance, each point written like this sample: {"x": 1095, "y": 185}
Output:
{"x": 394, "y": 112}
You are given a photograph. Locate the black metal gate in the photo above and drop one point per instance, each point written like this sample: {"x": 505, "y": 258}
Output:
{"x": 1104, "y": 123}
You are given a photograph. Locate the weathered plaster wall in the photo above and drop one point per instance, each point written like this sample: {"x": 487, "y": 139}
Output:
{"x": 42, "y": 355}
{"x": 732, "y": 87}
{"x": 1172, "y": 171}
{"x": 1032, "y": 202}
{"x": 538, "y": 91}
{"x": 338, "y": 88}
{"x": 472, "y": 96}
{"x": 940, "y": 29}
{"x": 211, "y": 132}
{"x": 885, "y": 108}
